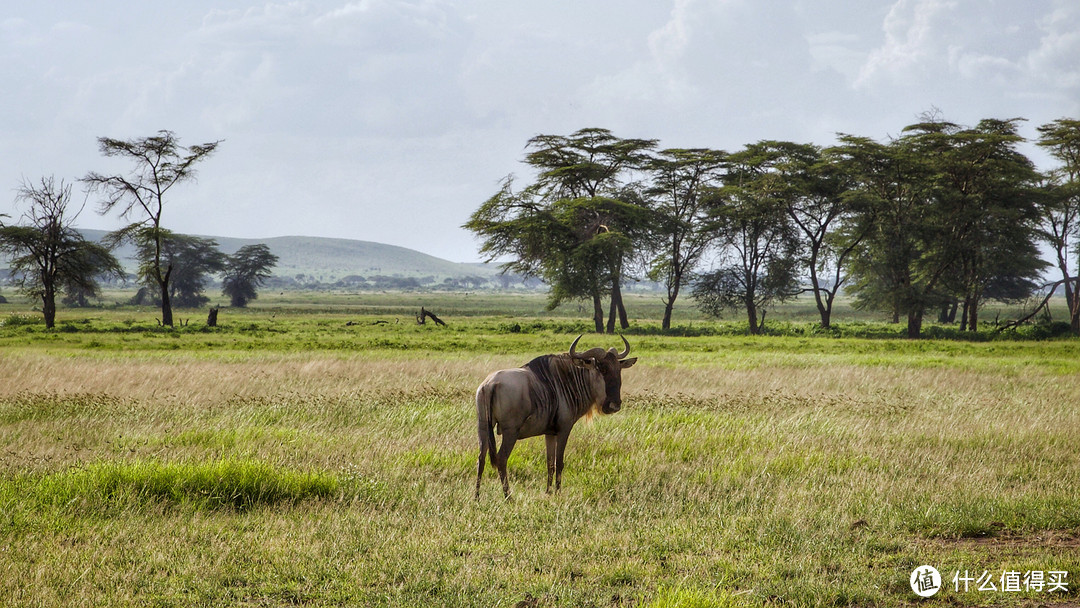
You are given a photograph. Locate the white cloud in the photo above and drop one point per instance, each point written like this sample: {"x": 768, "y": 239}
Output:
{"x": 837, "y": 51}
{"x": 1057, "y": 58}
{"x": 912, "y": 42}
{"x": 989, "y": 68}
{"x": 668, "y": 43}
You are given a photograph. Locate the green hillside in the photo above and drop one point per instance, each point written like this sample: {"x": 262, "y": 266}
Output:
{"x": 327, "y": 260}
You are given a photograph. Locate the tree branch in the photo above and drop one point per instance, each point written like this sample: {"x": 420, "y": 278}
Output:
{"x": 1038, "y": 308}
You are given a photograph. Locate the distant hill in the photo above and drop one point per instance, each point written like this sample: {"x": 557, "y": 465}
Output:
{"x": 328, "y": 260}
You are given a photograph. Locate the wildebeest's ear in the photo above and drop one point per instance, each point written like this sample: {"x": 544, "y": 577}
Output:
{"x": 628, "y": 362}
{"x": 586, "y": 363}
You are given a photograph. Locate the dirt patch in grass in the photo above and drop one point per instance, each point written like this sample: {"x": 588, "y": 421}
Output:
{"x": 1048, "y": 539}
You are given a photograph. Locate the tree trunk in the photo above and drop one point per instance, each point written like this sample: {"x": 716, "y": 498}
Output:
{"x": 823, "y": 311}
{"x": 828, "y": 308}
{"x": 973, "y": 314}
{"x": 914, "y": 323}
{"x": 616, "y": 297}
{"x": 611, "y": 315}
{"x": 948, "y": 311}
{"x": 1071, "y": 299}
{"x": 427, "y": 314}
{"x": 48, "y": 307}
{"x": 1074, "y": 314}
{"x": 751, "y": 316}
{"x": 964, "y": 315}
{"x": 1070, "y": 296}
{"x": 166, "y": 302}
{"x": 598, "y": 312}
{"x": 669, "y": 303}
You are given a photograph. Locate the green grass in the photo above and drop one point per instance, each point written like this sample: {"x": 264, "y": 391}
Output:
{"x": 287, "y": 458}
{"x": 223, "y": 484}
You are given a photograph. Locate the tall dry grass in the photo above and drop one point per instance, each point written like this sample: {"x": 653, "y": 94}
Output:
{"x": 740, "y": 477}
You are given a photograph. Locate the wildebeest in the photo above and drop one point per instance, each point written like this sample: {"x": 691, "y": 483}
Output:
{"x": 546, "y": 396}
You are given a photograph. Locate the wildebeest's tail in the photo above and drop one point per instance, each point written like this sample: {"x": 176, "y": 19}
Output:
{"x": 485, "y": 429}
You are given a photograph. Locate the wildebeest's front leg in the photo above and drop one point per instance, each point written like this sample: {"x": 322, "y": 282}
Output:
{"x": 560, "y": 449}
{"x": 509, "y": 439}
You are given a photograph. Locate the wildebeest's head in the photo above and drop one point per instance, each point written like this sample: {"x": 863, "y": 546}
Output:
{"x": 609, "y": 364}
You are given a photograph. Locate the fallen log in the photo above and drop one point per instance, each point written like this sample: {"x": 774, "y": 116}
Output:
{"x": 427, "y": 314}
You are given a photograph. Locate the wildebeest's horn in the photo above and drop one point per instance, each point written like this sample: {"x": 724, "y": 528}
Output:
{"x": 592, "y": 353}
{"x": 623, "y": 354}
{"x": 573, "y": 345}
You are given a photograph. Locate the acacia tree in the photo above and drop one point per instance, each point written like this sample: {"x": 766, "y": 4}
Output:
{"x": 48, "y": 255}
{"x": 576, "y": 226}
{"x": 245, "y": 271}
{"x": 1060, "y": 208}
{"x": 881, "y": 265}
{"x": 681, "y": 181}
{"x": 820, "y": 203}
{"x": 160, "y": 163}
{"x": 987, "y": 188}
{"x": 974, "y": 228}
{"x": 759, "y": 243}
{"x": 564, "y": 243}
{"x": 99, "y": 264}
{"x": 945, "y": 204}
{"x": 192, "y": 260}
{"x": 587, "y": 164}
{"x": 515, "y": 224}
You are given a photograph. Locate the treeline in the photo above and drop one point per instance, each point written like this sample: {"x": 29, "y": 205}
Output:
{"x": 49, "y": 257}
{"x": 427, "y": 283}
{"x": 935, "y": 221}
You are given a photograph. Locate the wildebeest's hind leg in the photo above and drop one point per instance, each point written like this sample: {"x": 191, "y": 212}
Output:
{"x": 480, "y": 464}
{"x": 509, "y": 439}
{"x": 484, "y": 430}
{"x": 550, "y": 441}
{"x": 487, "y": 449}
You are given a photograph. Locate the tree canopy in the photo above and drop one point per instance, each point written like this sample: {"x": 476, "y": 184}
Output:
{"x": 943, "y": 216}
{"x": 245, "y": 271}
{"x": 576, "y": 225}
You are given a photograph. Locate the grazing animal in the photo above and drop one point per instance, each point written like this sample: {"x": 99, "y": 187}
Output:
{"x": 546, "y": 396}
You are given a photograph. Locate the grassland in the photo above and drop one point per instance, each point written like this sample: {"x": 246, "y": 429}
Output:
{"x": 290, "y": 458}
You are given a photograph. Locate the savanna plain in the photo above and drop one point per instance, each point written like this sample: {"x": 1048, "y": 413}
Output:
{"x": 320, "y": 450}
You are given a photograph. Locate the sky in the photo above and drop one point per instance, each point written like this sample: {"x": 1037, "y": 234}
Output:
{"x": 392, "y": 121}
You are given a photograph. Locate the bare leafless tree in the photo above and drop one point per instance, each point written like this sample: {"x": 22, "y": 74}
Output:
{"x": 48, "y": 254}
